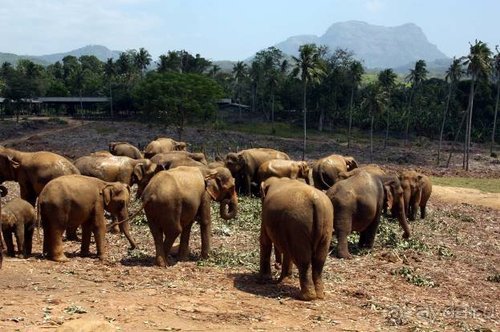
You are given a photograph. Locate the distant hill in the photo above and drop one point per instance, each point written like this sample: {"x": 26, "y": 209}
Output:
{"x": 101, "y": 52}
{"x": 378, "y": 46}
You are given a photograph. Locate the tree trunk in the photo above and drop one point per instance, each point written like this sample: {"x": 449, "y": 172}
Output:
{"x": 321, "y": 117}
{"x": 386, "y": 130}
{"x": 273, "y": 130}
{"x": 455, "y": 140}
{"x": 371, "y": 138}
{"x": 469, "y": 126}
{"x": 407, "y": 132}
{"x": 495, "y": 120}
{"x": 443, "y": 122}
{"x": 305, "y": 121}
{"x": 111, "y": 102}
{"x": 350, "y": 119}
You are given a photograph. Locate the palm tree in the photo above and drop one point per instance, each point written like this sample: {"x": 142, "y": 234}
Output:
{"x": 478, "y": 64}
{"x": 355, "y": 72}
{"x": 142, "y": 59}
{"x": 387, "y": 81}
{"x": 453, "y": 75}
{"x": 239, "y": 73}
{"x": 310, "y": 66}
{"x": 109, "y": 72}
{"x": 374, "y": 102}
{"x": 416, "y": 77}
{"x": 496, "y": 75}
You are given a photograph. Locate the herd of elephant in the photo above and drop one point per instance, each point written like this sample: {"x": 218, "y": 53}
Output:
{"x": 303, "y": 203}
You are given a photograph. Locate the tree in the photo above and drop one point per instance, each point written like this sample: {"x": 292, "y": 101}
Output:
{"x": 239, "y": 73}
{"x": 355, "y": 73}
{"x": 142, "y": 59}
{"x": 374, "y": 102}
{"x": 453, "y": 75}
{"x": 478, "y": 64}
{"x": 310, "y": 67}
{"x": 496, "y": 77}
{"x": 110, "y": 72}
{"x": 416, "y": 77}
{"x": 387, "y": 81}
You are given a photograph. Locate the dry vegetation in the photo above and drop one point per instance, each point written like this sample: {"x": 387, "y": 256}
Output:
{"x": 445, "y": 277}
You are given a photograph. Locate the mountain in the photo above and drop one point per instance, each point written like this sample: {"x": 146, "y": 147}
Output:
{"x": 101, "y": 52}
{"x": 378, "y": 46}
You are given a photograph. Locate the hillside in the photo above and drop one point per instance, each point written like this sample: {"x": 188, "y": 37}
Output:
{"x": 377, "y": 46}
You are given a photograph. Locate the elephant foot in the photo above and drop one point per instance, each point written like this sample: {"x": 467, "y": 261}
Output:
{"x": 406, "y": 235}
{"x": 307, "y": 295}
{"x": 60, "y": 258}
{"x": 115, "y": 229}
{"x": 343, "y": 255}
{"x": 264, "y": 279}
{"x": 101, "y": 257}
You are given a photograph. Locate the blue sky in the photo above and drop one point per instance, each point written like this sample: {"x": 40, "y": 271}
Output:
{"x": 229, "y": 30}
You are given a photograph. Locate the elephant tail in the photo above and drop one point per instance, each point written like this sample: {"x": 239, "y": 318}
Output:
{"x": 38, "y": 219}
{"x": 321, "y": 174}
{"x": 115, "y": 223}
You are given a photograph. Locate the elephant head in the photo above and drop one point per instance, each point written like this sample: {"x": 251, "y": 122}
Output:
{"x": 304, "y": 169}
{"x": 180, "y": 146}
{"x": 219, "y": 184}
{"x": 395, "y": 201}
{"x": 142, "y": 174}
{"x": 234, "y": 162}
{"x": 116, "y": 197}
{"x": 412, "y": 184}
{"x": 351, "y": 163}
{"x": 8, "y": 167}
{"x": 3, "y": 191}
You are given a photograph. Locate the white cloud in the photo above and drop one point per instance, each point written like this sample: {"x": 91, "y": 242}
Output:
{"x": 374, "y": 5}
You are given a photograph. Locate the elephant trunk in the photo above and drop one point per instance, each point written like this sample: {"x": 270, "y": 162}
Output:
{"x": 401, "y": 215}
{"x": 3, "y": 191}
{"x": 229, "y": 207}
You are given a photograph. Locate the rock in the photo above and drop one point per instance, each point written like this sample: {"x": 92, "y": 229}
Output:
{"x": 86, "y": 325}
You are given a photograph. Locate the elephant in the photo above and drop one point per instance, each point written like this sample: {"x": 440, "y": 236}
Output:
{"x": 3, "y": 192}
{"x": 371, "y": 168}
{"x": 125, "y": 149}
{"x": 417, "y": 190}
{"x": 358, "y": 204}
{"x": 298, "y": 219}
{"x": 161, "y": 145}
{"x": 325, "y": 171}
{"x": 167, "y": 158}
{"x": 18, "y": 217}
{"x": 174, "y": 199}
{"x": 245, "y": 164}
{"x": 284, "y": 168}
{"x": 33, "y": 170}
{"x": 101, "y": 153}
{"x": 73, "y": 200}
{"x": 122, "y": 169}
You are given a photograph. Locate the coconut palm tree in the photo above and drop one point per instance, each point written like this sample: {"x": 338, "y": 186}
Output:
{"x": 310, "y": 66}
{"x": 142, "y": 59}
{"x": 416, "y": 77}
{"x": 496, "y": 77}
{"x": 374, "y": 102}
{"x": 478, "y": 64}
{"x": 110, "y": 72}
{"x": 453, "y": 75}
{"x": 355, "y": 73}
{"x": 239, "y": 73}
{"x": 387, "y": 81}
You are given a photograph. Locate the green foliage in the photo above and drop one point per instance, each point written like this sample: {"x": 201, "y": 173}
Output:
{"x": 494, "y": 278}
{"x": 487, "y": 185}
{"x": 389, "y": 235}
{"x": 229, "y": 257}
{"x": 412, "y": 277}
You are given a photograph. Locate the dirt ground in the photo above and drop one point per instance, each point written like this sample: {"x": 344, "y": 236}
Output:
{"x": 445, "y": 278}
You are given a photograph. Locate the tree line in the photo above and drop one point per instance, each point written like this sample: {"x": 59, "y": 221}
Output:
{"x": 319, "y": 89}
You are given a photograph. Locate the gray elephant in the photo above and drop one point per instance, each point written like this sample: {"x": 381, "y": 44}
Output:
{"x": 3, "y": 192}
{"x": 325, "y": 171}
{"x": 174, "y": 199}
{"x": 298, "y": 219}
{"x": 245, "y": 164}
{"x": 18, "y": 219}
{"x": 125, "y": 149}
{"x": 32, "y": 170}
{"x": 284, "y": 168}
{"x": 73, "y": 200}
{"x": 358, "y": 204}
{"x": 162, "y": 145}
{"x": 179, "y": 158}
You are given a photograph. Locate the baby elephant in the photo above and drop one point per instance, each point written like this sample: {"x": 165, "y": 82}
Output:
{"x": 73, "y": 200}
{"x": 283, "y": 169}
{"x": 18, "y": 217}
{"x": 298, "y": 220}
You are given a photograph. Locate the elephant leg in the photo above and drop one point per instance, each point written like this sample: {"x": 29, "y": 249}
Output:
{"x": 307, "y": 289}
{"x": 266, "y": 246}
{"x": 206, "y": 229}
{"x": 167, "y": 244}
{"x": 413, "y": 212}
{"x": 28, "y": 194}
{"x": 367, "y": 237}
{"x": 71, "y": 234}
{"x": 55, "y": 244}
{"x": 86, "y": 235}
{"x": 342, "y": 245}
{"x": 422, "y": 211}
{"x": 28, "y": 240}
{"x": 184, "y": 245}
{"x": 20, "y": 238}
{"x": 9, "y": 242}
{"x": 125, "y": 229}
{"x": 100, "y": 240}
{"x": 277, "y": 258}
{"x": 116, "y": 228}
{"x": 157, "y": 232}
{"x": 318, "y": 262}
{"x": 286, "y": 268}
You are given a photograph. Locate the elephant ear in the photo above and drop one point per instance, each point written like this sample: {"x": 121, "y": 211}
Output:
{"x": 14, "y": 164}
{"x": 212, "y": 185}
{"x": 264, "y": 187}
{"x": 351, "y": 163}
{"x": 107, "y": 194}
{"x": 389, "y": 195}
{"x": 139, "y": 171}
